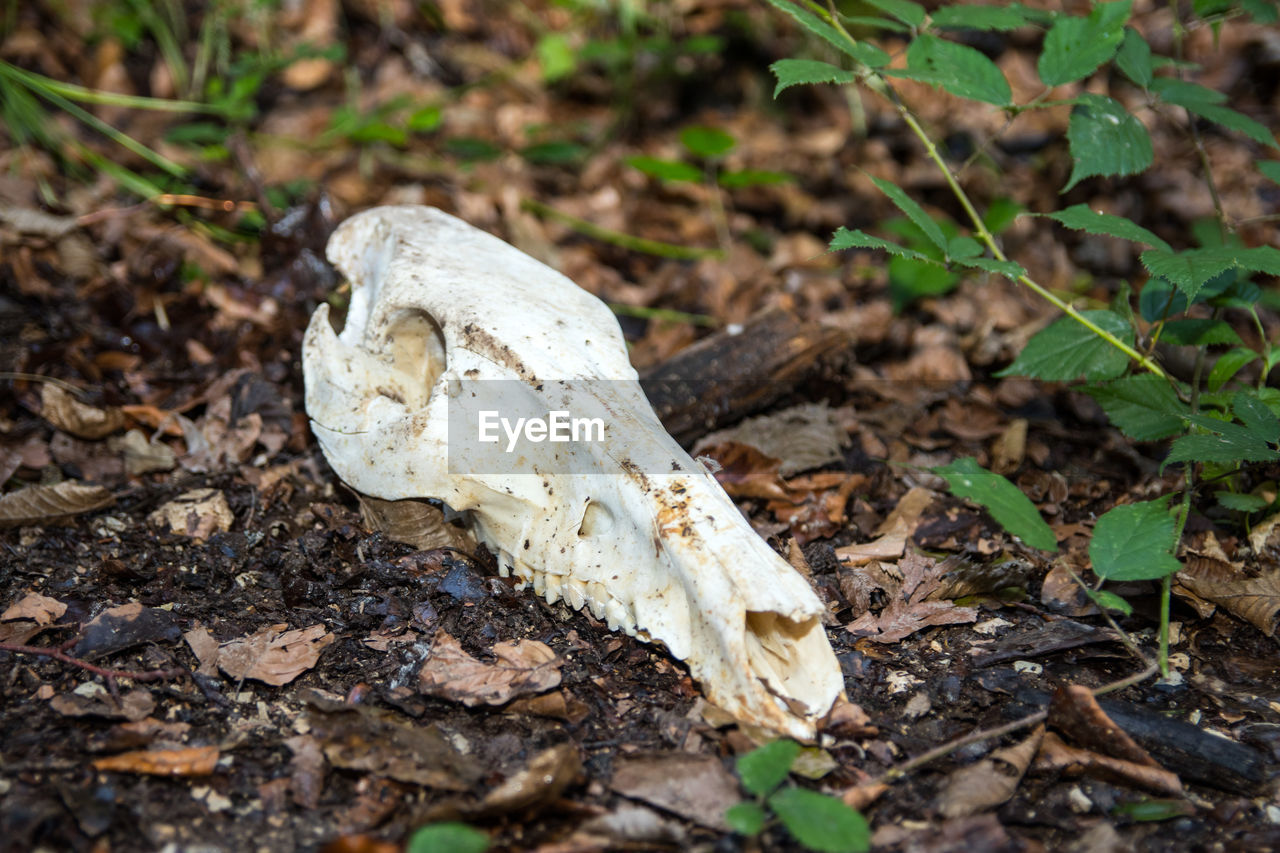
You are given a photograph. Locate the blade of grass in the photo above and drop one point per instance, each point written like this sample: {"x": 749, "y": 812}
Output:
{"x": 617, "y": 238}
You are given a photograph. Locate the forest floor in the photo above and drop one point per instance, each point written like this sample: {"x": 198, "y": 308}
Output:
{"x": 210, "y": 651}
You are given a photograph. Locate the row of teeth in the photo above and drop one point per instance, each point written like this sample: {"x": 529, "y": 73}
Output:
{"x": 577, "y": 593}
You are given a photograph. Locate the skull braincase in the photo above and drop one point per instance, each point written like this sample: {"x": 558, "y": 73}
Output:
{"x": 633, "y": 529}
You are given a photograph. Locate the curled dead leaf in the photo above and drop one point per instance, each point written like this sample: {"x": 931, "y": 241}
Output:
{"x": 274, "y": 655}
{"x": 522, "y": 668}
{"x": 39, "y": 504}
{"x": 190, "y": 761}
{"x": 64, "y": 411}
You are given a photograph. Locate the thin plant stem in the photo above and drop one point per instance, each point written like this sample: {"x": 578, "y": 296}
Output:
{"x": 82, "y": 94}
{"x": 617, "y": 238}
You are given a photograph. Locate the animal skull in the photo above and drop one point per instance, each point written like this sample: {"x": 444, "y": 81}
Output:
{"x": 441, "y": 315}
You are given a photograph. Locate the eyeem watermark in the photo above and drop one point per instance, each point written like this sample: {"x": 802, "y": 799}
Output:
{"x": 557, "y": 426}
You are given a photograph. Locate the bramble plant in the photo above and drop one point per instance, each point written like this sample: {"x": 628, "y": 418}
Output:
{"x": 1219, "y": 421}
{"x": 818, "y": 821}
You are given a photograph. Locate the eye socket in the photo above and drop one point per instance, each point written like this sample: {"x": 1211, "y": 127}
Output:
{"x": 597, "y": 520}
{"x": 415, "y": 344}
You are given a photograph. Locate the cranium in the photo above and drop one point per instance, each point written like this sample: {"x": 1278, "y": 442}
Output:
{"x": 629, "y": 526}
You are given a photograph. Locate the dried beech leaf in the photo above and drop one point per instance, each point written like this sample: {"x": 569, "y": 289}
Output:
{"x": 1255, "y": 600}
{"x": 523, "y": 667}
{"x": 60, "y": 408}
{"x": 415, "y": 523}
{"x": 42, "y": 609}
{"x": 909, "y": 609}
{"x": 197, "y": 513}
{"x": 273, "y": 655}
{"x": 38, "y": 504}
{"x": 191, "y": 761}
{"x": 1057, "y": 755}
{"x": 359, "y": 738}
{"x": 134, "y": 705}
{"x": 1075, "y": 712}
{"x": 987, "y": 783}
{"x": 696, "y": 787}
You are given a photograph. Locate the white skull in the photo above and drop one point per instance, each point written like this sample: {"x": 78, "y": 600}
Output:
{"x": 629, "y": 526}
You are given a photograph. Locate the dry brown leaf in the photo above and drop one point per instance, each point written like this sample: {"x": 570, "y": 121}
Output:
{"x": 988, "y": 783}
{"x": 541, "y": 781}
{"x": 559, "y": 705}
{"x": 415, "y": 523}
{"x": 1058, "y": 756}
{"x": 41, "y": 609}
{"x": 135, "y": 705}
{"x": 746, "y": 472}
{"x": 197, "y": 513}
{"x": 1253, "y": 599}
{"x": 190, "y": 761}
{"x": 64, "y": 411}
{"x": 909, "y": 609}
{"x": 142, "y": 456}
{"x": 1075, "y": 712}
{"x": 38, "y": 504}
{"x": 523, "y": 667}
{"x": 205, "y": 648}
{"x": 696, "y": 787}
{"x": 274, "y": 655}
{"x": 801, "y": 438}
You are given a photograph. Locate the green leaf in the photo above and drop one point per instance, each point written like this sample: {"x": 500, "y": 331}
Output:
{"x": 998, "y": 18}
{"x": 875, "y": 22}
{"x": 1009, "y": 269}
{"x": 1270, "y": 168}
{"x": 448, "y": 837}
{"x": 913, "y": 211}
{"x": 911, "y": 14}
{"x": 1199, "y": 332}
{"x": 1256, "y": 416}
{"x": 911, "y": 279}
{"x": 666, "y": 170}
{"x": 1083, "y": 218}
{"x": 763, "y": 768}
{"x": 1228, "y": 443}
{"x": 1000, "y": 214}
{"x": 1241, "y": 503}
{"x": 1066, "y": 350}
{"x": 1013, "y": 510}
{"x": 1135, "y": 542}
{"x": 1160, "y": 299}
{"x": 706, "y": 141}
{"x": 1075, "y": 47}
{"x": 962, "y": 248}
{"x": 795, "y": 72}
{"x": 1134, "y": 58}
{"x": 558, "y": 152}
{"x": 1190, "y": 269}
{"x": 1228, "y": 365}
{"x": 820, "y": 822}
{"x": 1237, "y": 121}
{"x": 1109, "y": 601}
{"x": 858, "y": 239}
{"x": 1152, "y": 810}
{"x": 745, "y": 818}
{"x": 1105, "y": 140}
{"x": 556, "y": 57}
{"x": 1143, "y": 407}
{"x": 962, "y": 70}
{"x": 824, "y": 31}
{"x": 1184, "y": 94}
{"x": 752, "y": 178}
{"x": 424, "y": 120}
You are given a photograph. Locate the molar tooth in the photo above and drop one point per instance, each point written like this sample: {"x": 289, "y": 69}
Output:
{"x": 616, "y": 613}
{"x": 597, "y": 595}
{"x": 539, "y": 583}
{"x": 553, "y": 585}
{"x": 575, "y": 593}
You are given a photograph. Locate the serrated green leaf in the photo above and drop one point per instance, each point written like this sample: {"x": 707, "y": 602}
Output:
{"x": 1105, "y": 140}
{"x": 1237, "y": 121}
{"x": 1228, "y": 365}
{"x": 796, "y": 72}
{"x": 1134, "y": 58}
{"x": 1075, "y": 47}
{"x": 1109, "y": 601}
{"x": 1199, "y": 332}
{"x": 1262, "y": 11}
{"x": 820, "y": 822}
{"x": 1143, "y": 407}
{"x": 1066, "y": 350}
{"x": 997, "y": 18}
{"x": 911, "y": 14}
{"x": 752, "y": 178}
{"x": 1182, "y": 93}
{"x": 1256, "y": 416}
{"x": 962, "y": 70}
{"x": 1160, "y": 299}
{"x": 666, "y": 170}
{"x": 704, "y": 141}
{"x": 1190, "y": 268}
{"x": 913, "y": 211}
{"x": 875, "y": 23}
{"x": 745, "y": 818}
{"x": 1009, "y": 269}
{"x": 1013, "y": 510}
{"x": 763, "y": 768}
{"x": 448, "y": 837}
{"x": 1134, "y": 542}
{"x": 858, "y": 239}
{"x": 1230, "y": 442}
{"x": 1241, "y": 503}
{"x": 1270, "y": 168}
{"x": 1083, "y": 218}
{"x": 817, "y": 26}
